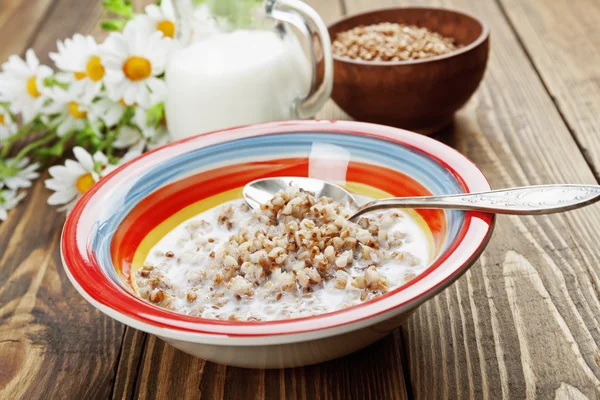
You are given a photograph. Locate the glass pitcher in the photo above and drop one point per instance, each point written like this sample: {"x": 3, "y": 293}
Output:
{"x": 239, "y": 62}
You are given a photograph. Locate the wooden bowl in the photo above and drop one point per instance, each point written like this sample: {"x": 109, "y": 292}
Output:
{"x": 419, "y": 95}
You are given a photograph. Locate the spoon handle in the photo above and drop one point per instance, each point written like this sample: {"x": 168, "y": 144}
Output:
{"x": 529, "y": 200}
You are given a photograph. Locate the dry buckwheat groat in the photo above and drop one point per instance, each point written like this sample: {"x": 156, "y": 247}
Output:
{"x": 391, "y": 42}
{"x": 296, "y": 256}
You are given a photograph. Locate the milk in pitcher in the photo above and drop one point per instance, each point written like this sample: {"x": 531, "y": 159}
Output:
{"x": 235, "y": 78}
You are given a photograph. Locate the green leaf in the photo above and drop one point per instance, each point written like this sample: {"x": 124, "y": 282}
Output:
{"x": 87, "y": 138}
{"x": 51, "y": 82}
{"x": 113, "y": 24}
{"x": 155, "y": 114}
{"x": 55, "y": 150}
{"x": 113, "y": 160}
{"x": 127, "y": 116}
{"x": 238, "y": 13}
{"x": 123, "y": 8}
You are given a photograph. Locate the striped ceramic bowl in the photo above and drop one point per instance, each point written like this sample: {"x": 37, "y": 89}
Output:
{"x": 111, "y": 229}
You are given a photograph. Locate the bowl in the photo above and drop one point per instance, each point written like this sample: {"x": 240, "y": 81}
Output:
{"x": 420, "y": 95}
{"x": 123, "y": 215}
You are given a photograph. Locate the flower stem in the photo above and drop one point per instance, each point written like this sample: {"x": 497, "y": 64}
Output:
{"x": 110, "y": 138}
{"x": 25, "y": 130}
{"x": 32, "y": 146}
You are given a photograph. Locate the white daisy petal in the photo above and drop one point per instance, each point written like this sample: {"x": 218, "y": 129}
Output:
{"x": 17, "y": 67}
{"x": 133, "y": 152}
{"x": 62, "y": 197}
{"x": 153, "y": 11}
{"x": 67, "y": 207}
{"x": 168, "y": 11}
{"x": 84, "y": 158}
{"x": 100, "y": 158}
{"x": 158, "y": 87}
{"x": 143, "y": 98}
{"x": 141, "y": 23}
{"x": 9, "y": 200}
{"x": 129, "y": 96}
{"x": 16, "y": 182}
{"x": 55, "y": 184}
{"x": 75, "y": 167}
{"x": 64, "y": 128}
{"x": 32, "y": 60}
{"x": 62, "y": 173}
{"x": 127, "y": 137}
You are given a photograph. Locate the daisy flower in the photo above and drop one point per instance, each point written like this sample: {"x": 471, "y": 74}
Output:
{"x": 22, "y": 84}
{"x": 141, "y": 136}
{"x": 156, "y": 18}
{"x": 19, "y": 175}
{"x": 133, "y": 63}
{"x": 79, "y": 58}
{"x": 8, "y": 127}
{"x": 8, "y": 200}
{"x": 70, "y": 181}
{"x": 107, "y": 110}
{"x": 69, "y": 110}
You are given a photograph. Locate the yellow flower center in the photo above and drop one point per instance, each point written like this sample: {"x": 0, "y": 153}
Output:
{"x": 75, "y": 111}
{"x": 32, "y": 87}
{"x": 166, "y": 27}
{"x": 2, "y": 120}
{"x": 84, "y": 183}
{"x": 137, "y": 68}
{"x": 95, "y": 69}
{"x": 122, "y": 102}
{"x": 79, "y": 75}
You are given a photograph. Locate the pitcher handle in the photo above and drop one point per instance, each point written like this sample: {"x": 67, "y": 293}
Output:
{"x": 308, "y": 22}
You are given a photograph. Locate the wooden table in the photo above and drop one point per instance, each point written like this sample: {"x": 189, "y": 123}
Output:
{"x": 523, "y": 322}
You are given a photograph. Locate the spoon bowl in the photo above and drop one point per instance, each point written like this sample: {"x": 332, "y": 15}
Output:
{"x": 261, "y": 191}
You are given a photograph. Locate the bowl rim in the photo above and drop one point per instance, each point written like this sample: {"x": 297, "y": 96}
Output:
{"x": 94, "y": 285}
{"x": 483, "y": 36}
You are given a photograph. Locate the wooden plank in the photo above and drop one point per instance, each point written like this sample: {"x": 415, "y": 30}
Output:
{"x": 562, "y": 39}
{"x": 52, "y": 342}
{"x": 19, "y": 23}
{"x": 66, "y": 18}
{"x": 524, "y": 320}
{"x": 374, "y": 372}
{"x": 129, "y": 363}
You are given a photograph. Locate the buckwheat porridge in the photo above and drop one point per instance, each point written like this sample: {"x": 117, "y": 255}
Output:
{"x": 297, "y": 256}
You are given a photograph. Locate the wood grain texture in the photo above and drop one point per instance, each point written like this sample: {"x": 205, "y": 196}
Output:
{"x": 563, "y": 41}
{"x": 53, "y": 344}
{"x": 20, "y": 21}
{"x": 524, "y": 321}
{"x": 374, "y": 372}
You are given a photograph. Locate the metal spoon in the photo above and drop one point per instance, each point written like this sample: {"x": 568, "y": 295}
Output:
{"x": 528, "y": 200}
